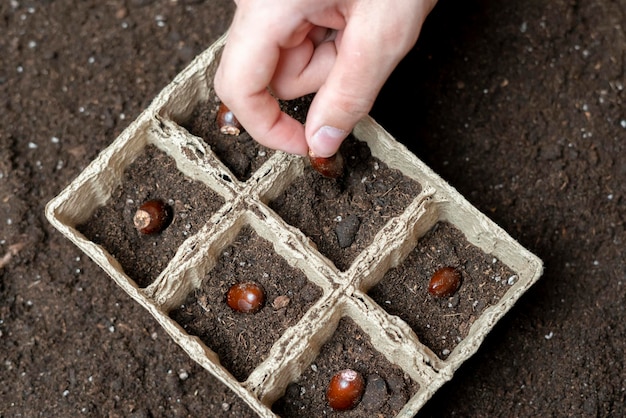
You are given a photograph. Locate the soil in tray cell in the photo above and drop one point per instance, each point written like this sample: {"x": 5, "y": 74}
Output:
{"x": 442, "y": 322}
{"x": 153, "y": 175}
{"x": 343, "y": 215}
{"x": 387, "y": 386}
{"x": 243, "y": 340}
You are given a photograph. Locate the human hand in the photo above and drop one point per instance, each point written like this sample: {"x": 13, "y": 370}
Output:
{"x": 342, "y": 49}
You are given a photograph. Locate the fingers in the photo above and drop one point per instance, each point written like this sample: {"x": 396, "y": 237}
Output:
{"x": 346, "y": 96}
{"x": 288, "y": 48}
{"x": 245, "y": 71}
{"x": 320, "y": 34}
{"x": 303, "y": 69}
{"x": 364, "y": 61}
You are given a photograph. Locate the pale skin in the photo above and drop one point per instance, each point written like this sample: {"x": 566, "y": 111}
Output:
{"x": 342, "y": 49}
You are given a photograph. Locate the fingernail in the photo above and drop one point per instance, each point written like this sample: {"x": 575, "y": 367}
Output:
{"x": 326, "y": 141}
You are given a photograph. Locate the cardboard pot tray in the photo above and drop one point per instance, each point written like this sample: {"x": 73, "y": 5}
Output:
{"x": 344, "y": 293}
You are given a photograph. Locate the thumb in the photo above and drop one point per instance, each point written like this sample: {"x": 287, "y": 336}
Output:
{"x": 368, "y": 50}
{"x": 347, "y": 95}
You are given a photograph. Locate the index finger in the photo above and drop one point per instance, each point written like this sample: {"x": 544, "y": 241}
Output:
{"x": 246, "y": 68}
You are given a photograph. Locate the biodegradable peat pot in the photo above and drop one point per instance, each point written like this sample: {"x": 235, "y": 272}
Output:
{"x": 358, "y": 285}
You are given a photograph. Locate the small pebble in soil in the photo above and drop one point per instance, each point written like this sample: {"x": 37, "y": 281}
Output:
{"x": 345, "y": 389}
{"x": 331, "y": 167}
{"x": 246, "y": 297}
{"x": 281, "y": 302}
{"x": 346, "y": 230}
{"x": 375, "y": 394}
{"x": 152, "y": 217}
{"x": 227, "y": 121}
{"x": 444, "y": 282}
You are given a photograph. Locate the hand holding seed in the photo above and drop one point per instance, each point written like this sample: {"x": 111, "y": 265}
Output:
{"x": 344, "y": 50}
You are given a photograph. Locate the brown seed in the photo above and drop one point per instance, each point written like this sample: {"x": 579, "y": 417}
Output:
{"x": 444, "y": 282}
{"x": 247, "y": 297}
{"x": 227, "y": 122}
{"x": 152, "y": 217}
{"x": 331, "y": 167}
{"x": 345, "y": 390}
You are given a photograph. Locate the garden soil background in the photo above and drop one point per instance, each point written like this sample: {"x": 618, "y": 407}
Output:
{"x": 517, "y": 104}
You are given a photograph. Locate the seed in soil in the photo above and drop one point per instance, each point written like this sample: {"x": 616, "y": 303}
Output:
{"x": 345, "y": 389}
{"x": 227, "y": 121}
{"x": 331, "y": 167}
{"x": 444, "y": 282}
{"x": 246, "y": 297}
{"x": 152, "y": 217}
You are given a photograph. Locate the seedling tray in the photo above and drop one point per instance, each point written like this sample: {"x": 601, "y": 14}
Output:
{"x": 351, "y": 297}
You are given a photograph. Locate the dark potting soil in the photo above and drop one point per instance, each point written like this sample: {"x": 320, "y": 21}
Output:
{"x": 441, "y": 323}
{"x": 518, "y": 105}
{"x": 342, "y": 216}
{"x": 153, "y": 175}
{"x": 243, "y": 340}
{"x": 387, "y": 388}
